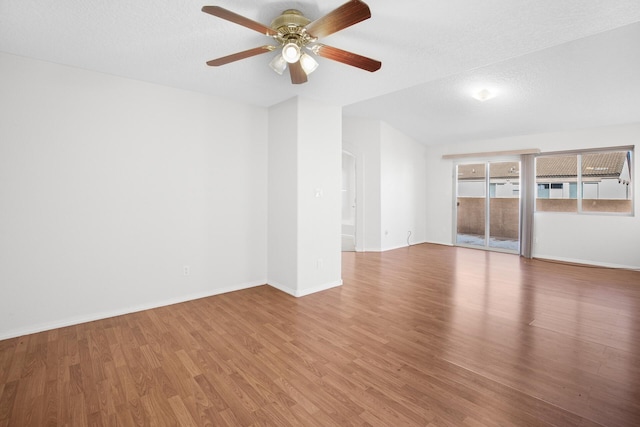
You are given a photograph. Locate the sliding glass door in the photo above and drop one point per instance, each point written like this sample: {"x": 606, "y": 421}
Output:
{"x": 488, "y": 205}
{"x": 471, "y": 204}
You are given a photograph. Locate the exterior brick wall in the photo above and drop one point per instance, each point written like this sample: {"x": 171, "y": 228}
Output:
{"x": 505, "y": 218}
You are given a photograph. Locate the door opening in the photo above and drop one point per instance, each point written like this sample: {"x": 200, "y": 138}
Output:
{"x": 488, "y": 205}
{"x": 348, "y": 202}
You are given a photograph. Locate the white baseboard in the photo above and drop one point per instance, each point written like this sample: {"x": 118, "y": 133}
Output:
{"x": 391, "y": 248}
{"x": 586, "y": 262}
{"x": 439, "y": 243}
{"x": 304, "y": 292}
{"x": 281, "y": 287}
{"x": 76, "y": 320}
{"x": 324, "y": 287}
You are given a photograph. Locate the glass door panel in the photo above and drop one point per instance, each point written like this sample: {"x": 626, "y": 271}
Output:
{"x": 488, "y": 205}
{"x": 471, "y": 204}
{"x": 504, "y": 205}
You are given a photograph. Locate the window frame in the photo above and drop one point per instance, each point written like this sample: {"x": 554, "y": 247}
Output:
{"x": 579, "y": 182}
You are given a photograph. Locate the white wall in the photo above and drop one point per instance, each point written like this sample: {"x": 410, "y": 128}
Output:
{"x": 507, "y": 190}
{"x": 305, "y": 165}
{"x": 391, "y": 184}
{"x": 608, "y": 240}
{"x": 403, "y": 187}
{"x": 361, "y": 137}
{"x": 611, "y": 189}
{"x": 348, "y": 192}
{"x": 319, "y": 196}
{"x": 109, "y": 186}
{"x": 283, "y": 196}
{"x": 470, "y": 188}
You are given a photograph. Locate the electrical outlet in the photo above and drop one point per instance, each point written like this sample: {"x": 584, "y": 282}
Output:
{"x": 186, "y": 270}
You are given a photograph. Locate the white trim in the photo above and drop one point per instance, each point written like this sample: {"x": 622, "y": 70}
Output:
{"x": 107, "y": 314}
{"x": 586, "y": 263}
{"x": 584, "y": 150}
{"x": 281, "y": 287}
{"x": 320, "y": 288}
{"x": 433, "y": 242}
{"x": 392, "y": 248}
{"x": 305, "y": 292}
{"x": 492, "y": 154}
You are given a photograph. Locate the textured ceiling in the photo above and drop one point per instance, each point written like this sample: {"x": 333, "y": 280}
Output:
{"x": 556, "y": 63}
{"x": 594, "y": 81}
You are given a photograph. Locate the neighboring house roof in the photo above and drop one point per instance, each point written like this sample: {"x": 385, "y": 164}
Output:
{"x": 601, "y": 165}
{"x": 594, "y": 166}
{"x": 557, "y": 166}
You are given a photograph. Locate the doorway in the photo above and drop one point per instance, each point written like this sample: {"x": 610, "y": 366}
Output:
{"x": 488, "y": 205}
{"x": 348, "y": 202}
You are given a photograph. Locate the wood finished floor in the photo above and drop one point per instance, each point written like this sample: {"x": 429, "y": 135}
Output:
{"x": 428, "y": 335}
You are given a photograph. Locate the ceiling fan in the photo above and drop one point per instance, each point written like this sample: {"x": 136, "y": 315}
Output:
{"x": 295, "y": 34}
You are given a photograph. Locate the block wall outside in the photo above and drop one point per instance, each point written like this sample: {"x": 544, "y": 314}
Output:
{"x": 505, "y": 218}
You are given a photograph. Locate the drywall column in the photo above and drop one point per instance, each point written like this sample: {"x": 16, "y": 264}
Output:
{"x": 305, "y": 166}
{"x": 282, "y": 189}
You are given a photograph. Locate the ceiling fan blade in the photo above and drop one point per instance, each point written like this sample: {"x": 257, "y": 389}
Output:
{"x": 298, "y": 75}
{"x": 239, "y": 19}
{"x": 345, "y": 57}
{"x": 346, "y": 15}
{"x": 240, "y": 55}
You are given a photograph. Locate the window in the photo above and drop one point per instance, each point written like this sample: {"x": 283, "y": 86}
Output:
{"x": 589, "y": 181}
{"x": 554, "y": 176}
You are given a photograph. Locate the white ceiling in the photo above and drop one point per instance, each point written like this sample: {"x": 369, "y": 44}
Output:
{"x": 555, "y": 64}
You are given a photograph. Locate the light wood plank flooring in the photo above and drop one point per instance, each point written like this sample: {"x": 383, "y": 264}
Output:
{"x": 422, "y": 336}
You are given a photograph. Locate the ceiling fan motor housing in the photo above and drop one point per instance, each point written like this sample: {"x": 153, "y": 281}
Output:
{"x": 290, "y": 27}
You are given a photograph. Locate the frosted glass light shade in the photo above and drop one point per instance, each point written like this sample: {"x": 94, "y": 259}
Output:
{"x": 278, "y": 64}
{"x": 309, "y": 64}
{"x": 291, "y": 52}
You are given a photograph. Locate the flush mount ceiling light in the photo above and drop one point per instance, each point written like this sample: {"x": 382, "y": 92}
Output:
{"x": 483, "y": 95}
{"x": 295, "y": 34}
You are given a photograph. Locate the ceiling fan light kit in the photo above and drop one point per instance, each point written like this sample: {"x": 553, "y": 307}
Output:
{"x": 296, "y": 35}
